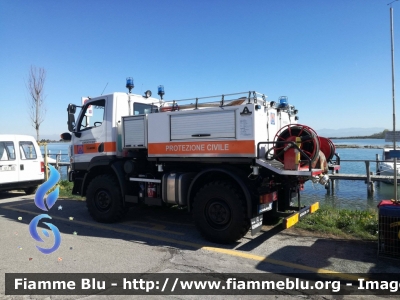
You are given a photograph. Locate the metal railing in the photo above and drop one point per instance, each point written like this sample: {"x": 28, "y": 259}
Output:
{"x": 369, "y": 177}
{"x": 216, "y": 101}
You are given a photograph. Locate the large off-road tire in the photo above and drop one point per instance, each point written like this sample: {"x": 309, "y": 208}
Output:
{"x": 104, "y": 199}
{"x": 219, "y": 212}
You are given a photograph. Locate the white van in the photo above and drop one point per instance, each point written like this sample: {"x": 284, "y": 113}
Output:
{"x": 21, "y": 163}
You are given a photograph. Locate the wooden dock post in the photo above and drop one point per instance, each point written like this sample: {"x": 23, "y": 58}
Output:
{"x": 58, "y": 158}
{"x": 57, "y": 166}
{"x": 377, "y": 168}
{"x": 46, "y": 170}
{"x": 370, "y": 183}
{"x": 332, "y": 186}
{"x": 377, "y": 164}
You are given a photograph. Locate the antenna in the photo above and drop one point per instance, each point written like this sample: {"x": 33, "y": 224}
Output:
{"x": 104, "y": 89}
{"x": 394, "y": 104}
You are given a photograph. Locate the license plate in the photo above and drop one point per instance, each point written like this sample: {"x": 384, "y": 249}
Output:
{"x": 264, "y": 207}
{"x": 256, "y": 224}
{"x": 7, "y": 168}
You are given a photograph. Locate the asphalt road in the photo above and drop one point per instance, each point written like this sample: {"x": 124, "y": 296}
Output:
{"x": 162, "y": 240}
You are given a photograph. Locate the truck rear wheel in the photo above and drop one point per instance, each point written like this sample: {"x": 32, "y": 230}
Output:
{"x": 219, "y": 212}
{"x": 104, "y": 200}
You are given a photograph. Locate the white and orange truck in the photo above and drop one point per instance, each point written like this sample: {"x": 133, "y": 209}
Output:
{"x": 232, "y": 160}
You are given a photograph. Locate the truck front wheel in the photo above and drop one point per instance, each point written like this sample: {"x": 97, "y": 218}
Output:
{"x": 104, "y": 200}
{"x": 219, "y": 212}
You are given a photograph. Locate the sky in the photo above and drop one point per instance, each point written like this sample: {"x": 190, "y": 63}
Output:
{"x": 332, "y": 59}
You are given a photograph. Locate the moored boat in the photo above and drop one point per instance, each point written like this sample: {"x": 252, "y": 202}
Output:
{"x": 386, "y": 166}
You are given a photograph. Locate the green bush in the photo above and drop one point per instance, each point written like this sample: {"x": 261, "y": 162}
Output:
{"x": 66, "y": 190}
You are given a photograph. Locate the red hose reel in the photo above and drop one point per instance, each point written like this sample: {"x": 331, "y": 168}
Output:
{"x": 314, "y": 148}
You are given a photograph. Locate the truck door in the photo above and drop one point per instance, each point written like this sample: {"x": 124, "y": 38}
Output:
{"x": 90, "y": 140}
{"x": 30, "y": 167}
{"x": 8, "y": 162}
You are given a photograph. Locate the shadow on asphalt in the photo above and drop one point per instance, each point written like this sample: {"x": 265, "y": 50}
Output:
{"x": 161, "y": 226}
{"x": 10, "y": 195}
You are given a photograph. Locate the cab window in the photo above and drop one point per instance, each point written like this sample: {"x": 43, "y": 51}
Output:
{"x": 92, "y": 115}
{"x": 142, "y": 109}
{"x": 27, "y": 150}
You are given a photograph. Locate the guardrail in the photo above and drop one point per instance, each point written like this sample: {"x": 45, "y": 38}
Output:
{"x": 369, "y": 177}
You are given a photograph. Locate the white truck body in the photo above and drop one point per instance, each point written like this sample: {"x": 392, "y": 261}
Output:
{"x": 208, "y": 156}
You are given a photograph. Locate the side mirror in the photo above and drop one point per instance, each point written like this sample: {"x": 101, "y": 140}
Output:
{"x": 71, "y": 108}
{"x": 71, "y": 117}
{"x": 66, "y": 136}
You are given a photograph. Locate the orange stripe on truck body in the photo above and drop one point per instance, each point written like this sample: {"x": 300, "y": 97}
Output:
{"x": 203, "y": 148}
{"x": 94, "y": 148}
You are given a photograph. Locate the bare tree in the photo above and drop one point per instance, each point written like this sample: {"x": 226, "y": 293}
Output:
{"x": 35, "y": 86}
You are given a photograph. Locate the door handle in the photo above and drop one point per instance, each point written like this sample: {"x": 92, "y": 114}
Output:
{"x": 21, "y": 167}
{"x": 201, "y": 134}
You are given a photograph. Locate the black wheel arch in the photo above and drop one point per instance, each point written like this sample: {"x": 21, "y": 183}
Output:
{"x": 208, "y": 175}
{"x": 105, "y": 167}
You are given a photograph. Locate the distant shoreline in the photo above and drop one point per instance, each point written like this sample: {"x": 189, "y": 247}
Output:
{"x": 361, "y": 147}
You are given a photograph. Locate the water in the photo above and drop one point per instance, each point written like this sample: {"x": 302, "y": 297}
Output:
{"x": 348, "y": 194}
{"x": 352, "y": 194}
{"x": 55, "y": 148}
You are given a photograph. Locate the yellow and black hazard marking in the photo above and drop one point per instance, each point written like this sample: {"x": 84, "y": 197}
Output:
{"x": 295, "y": 217}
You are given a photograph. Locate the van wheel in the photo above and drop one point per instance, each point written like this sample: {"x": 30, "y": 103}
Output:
{"x": 219, "y": 212}
{"x": 104, "y": 200}
{"x": 30, "y": 190}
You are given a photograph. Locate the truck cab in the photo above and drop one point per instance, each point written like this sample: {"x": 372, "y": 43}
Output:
{"x": 97, "y": 130}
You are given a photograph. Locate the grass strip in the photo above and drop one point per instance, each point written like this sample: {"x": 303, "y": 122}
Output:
{"x": 359, "y": 224}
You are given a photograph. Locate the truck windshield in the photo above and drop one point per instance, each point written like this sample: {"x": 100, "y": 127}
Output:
{"x": 92, "y": 115}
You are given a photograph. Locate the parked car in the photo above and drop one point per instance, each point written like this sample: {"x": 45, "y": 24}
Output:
{"x": 21, "y": 163}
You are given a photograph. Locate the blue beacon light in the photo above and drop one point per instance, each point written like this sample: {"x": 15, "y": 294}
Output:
{"x": 129, "y": 84}
{"x": 283, "y": 102}
{"x": 161, "y": 91}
